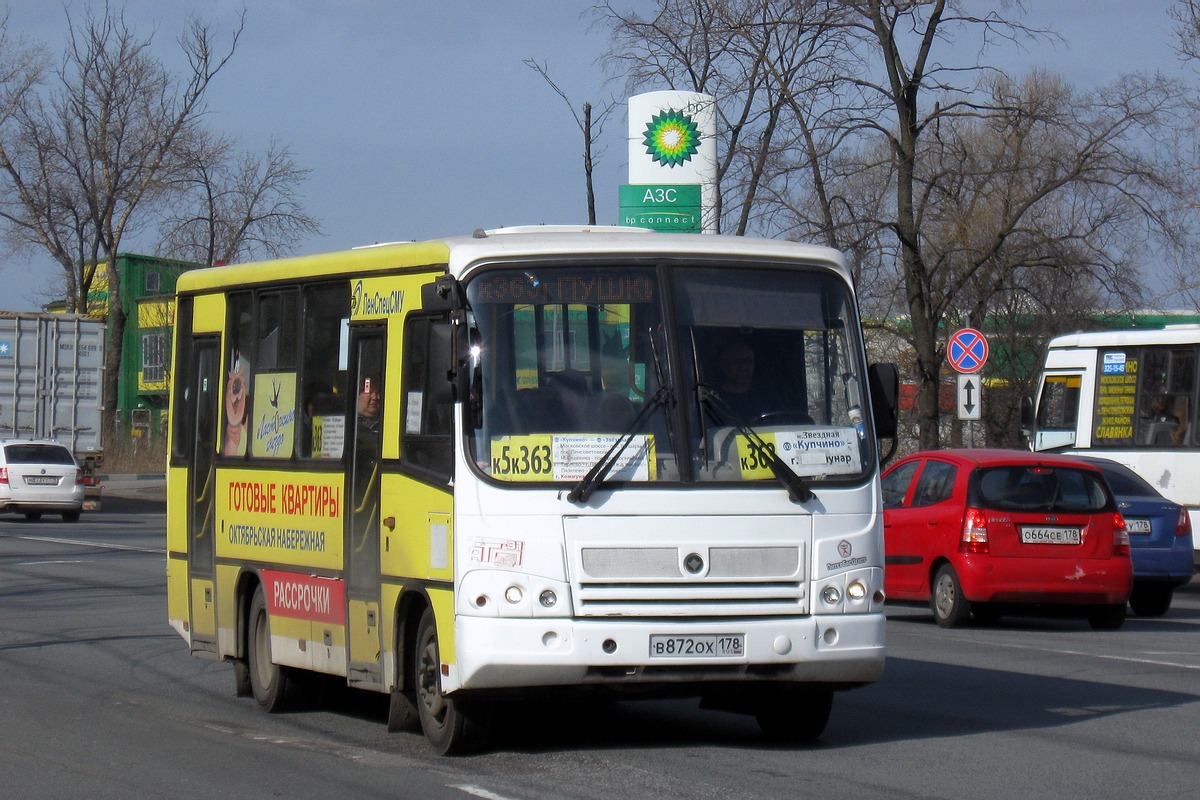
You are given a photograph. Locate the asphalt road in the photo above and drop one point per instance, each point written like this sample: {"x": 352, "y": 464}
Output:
{"x": 100, "y": 699}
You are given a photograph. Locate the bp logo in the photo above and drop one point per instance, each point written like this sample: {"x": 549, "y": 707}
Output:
{"x": 672, "y": 138}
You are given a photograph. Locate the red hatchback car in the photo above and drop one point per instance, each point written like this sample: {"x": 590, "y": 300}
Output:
{"x": 990, "y": 531}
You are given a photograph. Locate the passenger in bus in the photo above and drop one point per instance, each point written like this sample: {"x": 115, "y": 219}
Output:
{"x": 368, "y": 408}
{"x": 1161, "y": 424}
{"x": 367, "y": 445}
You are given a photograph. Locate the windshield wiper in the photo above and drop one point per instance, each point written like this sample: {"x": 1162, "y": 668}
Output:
{"x": 796, "y": 485}
{"x": 599, "y": 471}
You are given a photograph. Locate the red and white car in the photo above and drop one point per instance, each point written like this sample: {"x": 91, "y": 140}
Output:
{"x": 988, "y": 532}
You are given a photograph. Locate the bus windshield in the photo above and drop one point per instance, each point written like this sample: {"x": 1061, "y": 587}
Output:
{"x": 679, "y": 372}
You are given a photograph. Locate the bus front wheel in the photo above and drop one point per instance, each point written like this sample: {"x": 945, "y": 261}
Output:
{"x": 453, "y": 725}
{"x": 275, "y": 688}
{"x": 796, "y": 716}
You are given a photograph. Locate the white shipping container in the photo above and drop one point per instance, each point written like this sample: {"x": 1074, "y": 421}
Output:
{"x": 51, "y": 368}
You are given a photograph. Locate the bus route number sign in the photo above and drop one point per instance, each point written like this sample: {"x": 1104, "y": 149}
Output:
{"x": 967, "y": 350}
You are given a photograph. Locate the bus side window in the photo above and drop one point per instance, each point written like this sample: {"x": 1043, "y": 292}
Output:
{"x": 1059, "y": 406}
{"x": 322, "y": 406}
{"x": 427, "y": 443}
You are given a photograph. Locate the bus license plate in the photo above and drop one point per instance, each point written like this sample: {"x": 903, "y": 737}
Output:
{"x": 712, "y": 645}
{"x": 1137, "y": 525}
{"x": 1048, "y": 535}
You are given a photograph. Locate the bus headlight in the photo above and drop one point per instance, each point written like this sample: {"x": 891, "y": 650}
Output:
{"x": 524, "y": 596}
{"x": 856, "y": 590}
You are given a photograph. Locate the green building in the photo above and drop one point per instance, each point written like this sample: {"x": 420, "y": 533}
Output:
{"x": 148, "y": 297}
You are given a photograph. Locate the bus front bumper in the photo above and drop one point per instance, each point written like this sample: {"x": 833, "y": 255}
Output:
{"x": 491, "y": 653}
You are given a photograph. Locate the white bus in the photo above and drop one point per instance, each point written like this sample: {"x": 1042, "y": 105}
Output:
{"x": 458, "y": 470}
{"x": 1130, "y": 396}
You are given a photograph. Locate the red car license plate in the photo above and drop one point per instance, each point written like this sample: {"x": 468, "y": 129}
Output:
{"x": 1044, "y": 534}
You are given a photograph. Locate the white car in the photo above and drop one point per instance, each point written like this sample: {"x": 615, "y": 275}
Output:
{"x": 40, "y": 476}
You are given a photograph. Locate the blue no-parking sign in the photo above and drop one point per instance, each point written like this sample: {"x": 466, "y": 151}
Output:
{"x": 967, "y": 350}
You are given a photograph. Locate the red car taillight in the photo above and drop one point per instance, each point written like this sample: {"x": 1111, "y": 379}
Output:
{"x": 1184, "y": 526}
{"x": 79, "y": 481}
{"x": 3, "y": 474}
{"x": 974, "y": 535}
{"x": 1120, "y": 536}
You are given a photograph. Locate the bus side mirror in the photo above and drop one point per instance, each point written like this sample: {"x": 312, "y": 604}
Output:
{"x": 1027, "y": 413}
{"x": 1027, "y": 421}
{"x": 884, "y": 382}
{"x": 441, "y": 295}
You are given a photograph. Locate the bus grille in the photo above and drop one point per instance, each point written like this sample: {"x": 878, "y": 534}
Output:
{"x": 669, "y": 581}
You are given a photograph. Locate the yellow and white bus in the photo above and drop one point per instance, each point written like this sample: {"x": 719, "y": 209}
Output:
{"x": 531, "y": 457}
{"x": 1132, "y": 396}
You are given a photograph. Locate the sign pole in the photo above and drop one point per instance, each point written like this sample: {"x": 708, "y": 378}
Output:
{"x": 967, "y": 352}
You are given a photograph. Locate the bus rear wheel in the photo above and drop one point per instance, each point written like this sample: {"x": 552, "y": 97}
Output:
{"x": 453, "y": 725}
{"x": 275, "y": 688}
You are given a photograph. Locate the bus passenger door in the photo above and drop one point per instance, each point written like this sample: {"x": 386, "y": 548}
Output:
{"x": 363, "y": 457}
{"x": 1058, "y": 411}
{"x": 202, "y": 491}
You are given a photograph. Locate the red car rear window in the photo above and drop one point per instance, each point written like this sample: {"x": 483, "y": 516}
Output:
{"x": 1039, "y": 488}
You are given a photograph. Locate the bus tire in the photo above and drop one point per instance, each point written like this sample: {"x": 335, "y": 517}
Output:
{"x": 241, "y": 678}
{"x": 402, "y": 712}
{"x": 275, "y": 688}
{"x": 453, "y": 725}
{"x": 797, "y": 717}
{"x": 949, "y": 607}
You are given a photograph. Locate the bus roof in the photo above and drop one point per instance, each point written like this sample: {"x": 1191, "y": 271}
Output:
{"x": 460, "y": 253}
{"x": 1171, "y": 334}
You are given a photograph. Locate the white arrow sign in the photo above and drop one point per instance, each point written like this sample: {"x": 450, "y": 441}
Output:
{"x": 970, "y": 396}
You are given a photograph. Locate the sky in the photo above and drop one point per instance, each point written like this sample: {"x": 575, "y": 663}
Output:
{"x": 419, "y": 119}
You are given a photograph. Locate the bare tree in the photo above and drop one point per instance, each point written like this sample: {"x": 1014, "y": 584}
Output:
{"x": 867, "y": 124}
{"x": 233, "y": 207}
{"x": 1094, "y": 154}
{"x": 88, "y": 154}
{"x": 591, "y": 126}
{"x": 746, "y": 54}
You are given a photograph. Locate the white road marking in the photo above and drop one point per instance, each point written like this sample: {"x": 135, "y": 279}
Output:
{"x": 85, "y": 543}
{"x": 1110, "y": 657}
{"x": 479, "y": 792}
